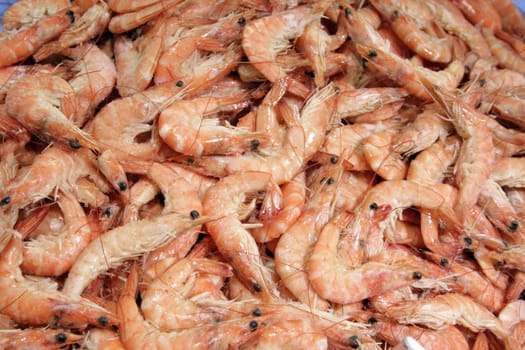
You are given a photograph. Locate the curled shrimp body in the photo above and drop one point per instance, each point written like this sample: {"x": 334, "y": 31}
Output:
{"x": 264, "y": 38}
{"x": 223, "y": 202}
{"x": 509, "y": 171}
{"x": 44, "y": 104}
{"x": 481, "y": 13}
{"x": 352, "y": 102}
{"x": 172, "y": 288}
{"x": 504, "y": 53}
{"x": 512, "y": 18}
{"x": 53, "y": 254}
{"x": 512, "y": 314}
{"x": 124, "y": 22}
{"x": 51, "y": 170}
{"x": 114, "y": 246}
{"x": 19, "y": 45}
{"x": 378, "y": 150}
{"x": 25, "y": 13}
{"x": 189, "y": 127}
{"x": 38, "y": 302}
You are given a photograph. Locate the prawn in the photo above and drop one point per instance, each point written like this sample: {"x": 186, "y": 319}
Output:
{"x": 264, "y": 38}
{"x": 19, "y": 45}
{"x": 512, "y": 18}
{"x": 38, "y": 302}
{"x": 171, "y": 290}
{"x": 380, "y": 156}
{"x": 504, "y": 53}
{"x": 103, "y": 339}
{"x": 91, "y": 24}
{"x": 189, "y": 127}
{"x": 44, "y": 104}
{"x": 291, "y": 253}
{"x": 25, "y": 13}
{"x": 37, "y": 338}
{"x": 353, "y": 102}
{"x": 509, "y": 172}
{"x": 114, "y": 246}
{"x": 224, "y": 202}
{"x": 481, "y": 13}
{"x": 53, "y": 254}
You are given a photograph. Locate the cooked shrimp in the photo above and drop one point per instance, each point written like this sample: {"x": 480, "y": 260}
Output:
{"x": 504, "y": 53}
{"x": 448, "y": 309}
{"x": 136, "y": 60}
{"x": 509, "y": 106}
{"x": 189, "y": 127}
{"x": 135, "y": 113}
{"x": 172, "y": 290}
{"x": 37, "y": 338}
{"x": 293, "y": 200}
{"x": 352, "y": 102}
{"x": 512, "y": 314}
{"x": 481, "y": 13}
{"x": 93, "y": 81}
{"x": 37, "y": 302}
{"x": 291, "y": 253}
{"x": 511, "y": 16}
{"x": 19, "y": 45}
{"x": 124, "y": 242}
{"x": 90, "y": 25}
{"x": 264, "y": 38}
{"x": 453, "y": 21}
{"x": 378, "y": 150}
{"x": 44, "y": 104}
{"x": 103, "y": 339}
{"x": 25, "y": 13}
{"x": 225, "y": 202}
{"x": 51, "y": 170}
{"x": 53, "y": 254}
{"x": 124, "y": 22}
{"x": 303, "y": 140}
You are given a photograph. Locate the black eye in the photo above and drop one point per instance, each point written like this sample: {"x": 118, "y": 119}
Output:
{"x": 257, "y": 312}
{"x": 373, "y": 206}
{"x": 103, "y": 321}
{"x": 122, "y": 186}
{"x": 60, "y": 337}
{"x": 179, "y": 83}
{"x": 74, "y": 144}
{"x": 253, "y": 325}
{"x": 5, "y": 201}
{"x": 194, "y": 214}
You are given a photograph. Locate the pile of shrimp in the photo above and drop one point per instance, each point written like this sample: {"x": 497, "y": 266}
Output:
{"x": 262, "y": 174}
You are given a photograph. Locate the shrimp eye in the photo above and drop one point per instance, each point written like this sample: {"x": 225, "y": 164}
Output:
{"x": 513, "y": 225}
{"x": 373, "y": 206}
{"x": 253, "y": 325}
{"x": 257, "y": 312}
{"x": 255, "y": 144}
{"x": 103, "y": 321}
{"x": 353, "y": 342}
{"x": 467, "y": 68}
{"x": 241, "y": 21}
{"x": 372, "y": 53}
{"x": 417, "y": 275}
{"x": 501, "y": 263}
{"x": 5, "y": 201}
{"x": 179, "y": 83}
{"x": 348, "y": 11}
{"x": 330, "y": 180}
{"x": 257, "y": 287}
{"x": 71, "y": 15}
{"x": 107, "y": 212}
{"x": 74, "y": 144}
{"x": 61, "y": 337}
{"x": 467, "y": 240}
{"x": 482, "y": 82}
{"x": 366, "y": 302}
{"x": 334, "y": 159}
{"x": 310, "y": 73}
{"x": 122, "y": 186}
{"x": 443, "y": 261}
{"x": 372, "y": 320}
{"x": 194, "y": 214}
{"x": 395, "y": 14}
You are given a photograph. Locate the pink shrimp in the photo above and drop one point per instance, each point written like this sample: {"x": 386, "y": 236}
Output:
{"x": 507, "y": 57}
{"x": 509, "y": 171}
{"x": 103, "y": 339}
{"x": 381, "y": 157}
{"x": 19, "y": 45}
{"x": 511, "y": 17}
{"x": 26, "y": 12}
{"x": 37, "y": 338}
{"x": 264, "y": 38}
{"x": 44, "y": 104}
{"x": 224, "y": 202}
{"x": 38, "y": 302}
{"x": 189, "y": 127}
{"x": 480, "y": 13}
{"x": 352, "y": 102}
{"x": 53, "y": 254}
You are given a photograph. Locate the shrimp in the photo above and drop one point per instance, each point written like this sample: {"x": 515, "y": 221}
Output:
{"x": 291, "y": 253}
{"x": 509, "y": 106}
{"x": 511, "y": 17}
{"x": 303, "y": 139}
{"x": 38, "y": 302}
{"x": 264, "y": 38}
{"x": 379, "y": 154}
{"x": 172, "y": 290}
{"x": 135, "y": 114}
{"x": 91, "y": 24}
{"x": 353, "y": 102}
{"x": 504, "y": 53}
{"x": 51, "y": 170}
{"x": 294, "y": 196}
{"x": 44, "y": 104}
{"x": 452, "y": 20}
{"x": 224, "y": 202}
{"x": 512, "y": 314}
{"x": 25, "y": 13}
{"x": 103, "y": 339}
{"x": 472, "y": 283}
{"x": 189, "y": 127}
{"x": 53, "y": 254}
{"x": 136, "y": 60}
{"x": 19, "y": 45}
{"x": 332, "y": 280}
{"x": 511, "y": 257}
{"x": 137, "y": 333}
{"x": 93, "y": 81}
{"x": 37, "y": 338}
{"x": 114, "y": 246}
{"x": 448, "y": 309}
{"x": 417, "y": 136}
{"x": 509, "y": 171}
{"x": 481, "y": 13}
